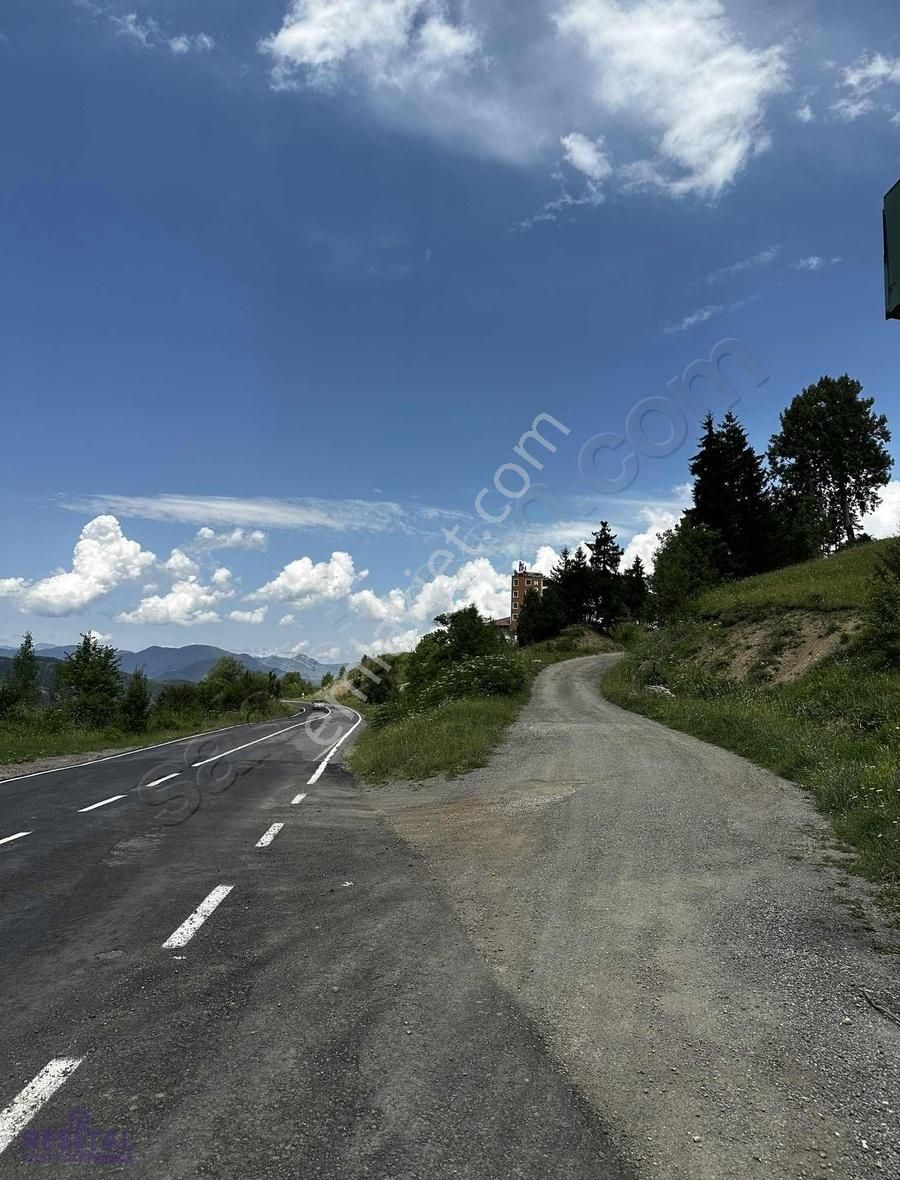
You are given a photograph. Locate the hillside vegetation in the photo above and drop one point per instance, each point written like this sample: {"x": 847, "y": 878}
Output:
{"x": 835, "y": 583}
{"x": 446, "y": 706}
{"x": 782, "y": 669}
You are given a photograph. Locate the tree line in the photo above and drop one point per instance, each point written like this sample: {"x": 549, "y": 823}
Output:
{"x": 751, "y": 513}
{"x": 89, "y": 691}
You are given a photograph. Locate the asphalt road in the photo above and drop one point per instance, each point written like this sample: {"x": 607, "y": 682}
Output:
{"x": 219, "y": 951}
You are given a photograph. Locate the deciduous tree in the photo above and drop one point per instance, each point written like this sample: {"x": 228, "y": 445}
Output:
{"x": 831, "y": 450}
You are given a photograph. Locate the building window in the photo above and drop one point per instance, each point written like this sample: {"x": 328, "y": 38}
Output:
{"x": 515, "y": 593}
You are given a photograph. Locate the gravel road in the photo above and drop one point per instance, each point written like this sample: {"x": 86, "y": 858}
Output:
{"x": 675, "y": 923}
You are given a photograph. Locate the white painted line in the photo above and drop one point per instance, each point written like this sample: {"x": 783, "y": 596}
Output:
{"x": 269, "y": 836}
{"x": 102, "y": 803}
{"x": 16, "y": 1117}
{"x": 189, "y": 928}
{"x": 298, "y": 799}
{"x": 158, "y": 781}
{"x": 326, "y": 758}
{"x": 17, "y": 836}
{"x": 246, "y": 745}
{"x": 139, "y": 750}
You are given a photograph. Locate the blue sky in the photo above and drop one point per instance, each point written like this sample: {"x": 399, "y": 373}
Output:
{"x": 284, "y": 284}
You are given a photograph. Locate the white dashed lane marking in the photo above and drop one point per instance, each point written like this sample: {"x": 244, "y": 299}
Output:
{"x": 102, "y": 803}
{"x": 190, "y": 926}
{"x": 16, "y": 1117}
{"x": 17, "y": 836}
{"x": 269, "y": 836}
{"x": 157, "y": 782}
{"x": 298, "y": 799}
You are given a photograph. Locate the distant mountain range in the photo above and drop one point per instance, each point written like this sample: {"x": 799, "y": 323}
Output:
{"x": 194, "y": 661}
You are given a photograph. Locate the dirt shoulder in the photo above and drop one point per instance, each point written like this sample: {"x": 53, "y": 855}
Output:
{"x": 673, "y": 919}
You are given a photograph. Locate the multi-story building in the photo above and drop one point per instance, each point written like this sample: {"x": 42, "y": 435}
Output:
{"x": 523, "y": 580}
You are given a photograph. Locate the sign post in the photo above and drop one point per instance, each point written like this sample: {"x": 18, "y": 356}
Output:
{"x": 892, "y": 253}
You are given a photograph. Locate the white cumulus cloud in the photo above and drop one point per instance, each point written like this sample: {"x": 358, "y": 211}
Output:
{"x": 255, "y": 617}
{"x": 103, "y": 559}
{"x": 884, "y": 521}
{"x": 187, "y": 604}
{"x": 179, "y": 565}
{"x": 11, "y": 587}
{"x": 475, "y": 582}
{"x": 304, "y": 583}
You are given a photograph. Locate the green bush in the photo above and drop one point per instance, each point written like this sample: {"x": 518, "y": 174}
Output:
{"x": 500, "y": 674}
{"x": 881, "y": 624}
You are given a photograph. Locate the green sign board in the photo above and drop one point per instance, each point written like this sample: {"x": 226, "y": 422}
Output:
{"x": 892, "y": 253}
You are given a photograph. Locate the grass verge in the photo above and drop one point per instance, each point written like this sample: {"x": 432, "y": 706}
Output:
{"x": 452, "y": 739}
{"x": 459, "y": 735}
{"x": 835, "y": 730}
{"x": 23, "y": 742}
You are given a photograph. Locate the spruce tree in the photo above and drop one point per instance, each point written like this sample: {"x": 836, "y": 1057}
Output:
{"x": 605, "y": 604}
{"x": 24, "y": 677}
{"x": 636, "y": 590}
{"x": 731, "y": 495}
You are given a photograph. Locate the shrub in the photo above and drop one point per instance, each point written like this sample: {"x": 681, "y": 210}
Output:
{"x": 881, "y": 628}
{"x": 501, "y": 674}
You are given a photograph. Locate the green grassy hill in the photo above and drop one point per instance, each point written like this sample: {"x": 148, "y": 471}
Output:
{"x": 835, "y": 583}
{"x": 774, "y": 668}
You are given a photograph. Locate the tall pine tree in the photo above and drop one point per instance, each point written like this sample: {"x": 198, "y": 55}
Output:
{"x": 605, "y": 604}
{"x": 731, "y": 495}
{"x": 636, "y": 590}
{"x": 24, "y": 675}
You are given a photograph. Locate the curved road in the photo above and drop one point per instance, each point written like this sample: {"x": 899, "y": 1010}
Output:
{"x": 219, "y": 949}
{"x": 666, "y": 913}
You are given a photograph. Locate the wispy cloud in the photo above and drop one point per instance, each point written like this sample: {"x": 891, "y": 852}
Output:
{"x": 814, "y": 263}
{"x": 702, "y": 314}
{"x": 147, "y": 32}
{"x": 763, "y": 258}
{"x": 264, "y": 513}
{"x": 861, "y": 84}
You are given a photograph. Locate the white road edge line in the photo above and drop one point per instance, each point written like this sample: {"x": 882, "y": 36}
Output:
{"x": 246, "y": 745}
{"x": 269, "y": 836}
{"x": 17, "y": 836}
{"x": 102, "y": 803}
{"x": 191, "y": 925}
{"x": 139, "y": 750}
{"x": 15, "y": 1117}
{"x": 298, "y": 799}
{"x": 327, "y": 757}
